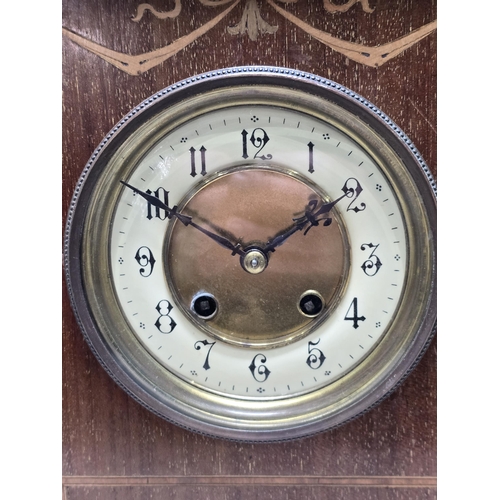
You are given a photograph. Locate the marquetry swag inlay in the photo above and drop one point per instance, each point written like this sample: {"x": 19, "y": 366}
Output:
{"x": 252, "y": 24}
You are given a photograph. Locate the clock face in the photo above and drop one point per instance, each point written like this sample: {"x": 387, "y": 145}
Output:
{"x": 255, "y": 254}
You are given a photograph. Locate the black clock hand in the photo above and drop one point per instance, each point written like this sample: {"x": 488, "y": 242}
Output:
{"x": 221, "y": 240}
{"x": 153, "y": 200}
{"x": 313, "y": 218}
{"x": 351, "y": 188}
{"x": 187, "y": 220}
{"x": 310, "y": 217}
{"x": 281, "y": 238}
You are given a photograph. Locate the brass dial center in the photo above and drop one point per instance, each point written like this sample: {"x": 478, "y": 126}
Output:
{"x": 257, "y": 290}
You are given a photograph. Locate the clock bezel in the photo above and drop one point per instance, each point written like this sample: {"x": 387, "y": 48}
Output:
{"x": 185, "y": 404}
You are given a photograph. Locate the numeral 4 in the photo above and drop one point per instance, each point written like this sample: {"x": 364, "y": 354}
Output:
{"x": 353, "y": 309}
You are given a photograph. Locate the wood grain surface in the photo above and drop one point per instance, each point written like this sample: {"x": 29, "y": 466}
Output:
{"x": 113, "y": 448}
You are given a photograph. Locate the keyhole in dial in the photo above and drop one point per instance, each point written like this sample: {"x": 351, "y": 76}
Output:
{"x": 204, "y": 305}
{"x": 311, "y": 303}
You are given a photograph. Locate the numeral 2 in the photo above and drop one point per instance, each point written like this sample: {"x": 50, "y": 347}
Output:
{"x": 352, "y": 189}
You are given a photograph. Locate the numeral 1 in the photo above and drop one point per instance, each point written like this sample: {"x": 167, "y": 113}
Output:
{"x": 311, "y": 159}
{"x": 244, "y": 135}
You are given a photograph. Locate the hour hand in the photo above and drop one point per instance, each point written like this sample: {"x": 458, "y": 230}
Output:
{"x": 281, "y": 238}
{"x": 312, "y": 217}
{"x": 187, "y": 220}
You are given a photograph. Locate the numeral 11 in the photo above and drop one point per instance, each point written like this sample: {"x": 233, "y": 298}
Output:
{"x": 193, "y": 161}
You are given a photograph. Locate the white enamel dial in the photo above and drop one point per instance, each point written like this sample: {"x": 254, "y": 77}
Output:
{"x": 250, "y": 254}
{"x": 295, "y": 144}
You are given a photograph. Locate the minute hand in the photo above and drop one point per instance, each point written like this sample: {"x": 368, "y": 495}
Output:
{"x": 186, "y": 220}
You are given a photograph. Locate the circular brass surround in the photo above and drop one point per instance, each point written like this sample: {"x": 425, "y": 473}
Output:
{"x": 113, "y": 340}
{"x": 254, "y": 205}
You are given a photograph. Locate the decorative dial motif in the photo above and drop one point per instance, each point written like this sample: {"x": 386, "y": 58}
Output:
{"x": 250, "y": 256}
